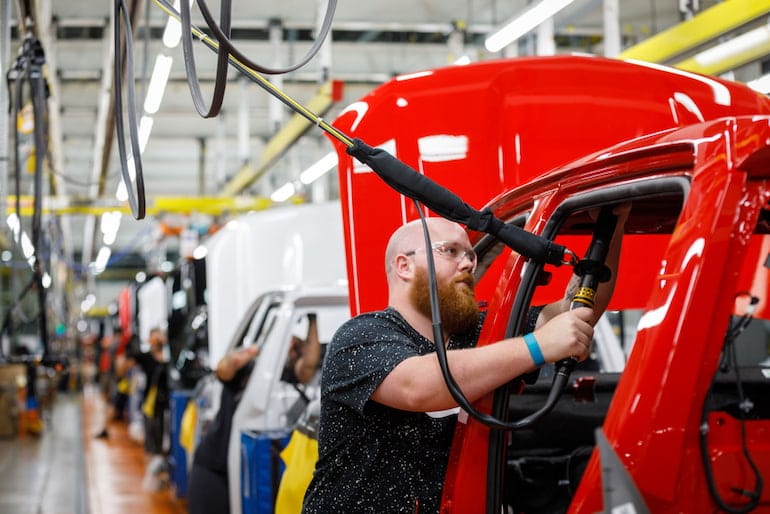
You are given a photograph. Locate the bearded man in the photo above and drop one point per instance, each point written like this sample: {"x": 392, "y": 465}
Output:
{"x": 387, "y": 417}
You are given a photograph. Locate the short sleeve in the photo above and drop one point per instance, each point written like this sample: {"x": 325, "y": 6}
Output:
{"x": 361, "y": 354}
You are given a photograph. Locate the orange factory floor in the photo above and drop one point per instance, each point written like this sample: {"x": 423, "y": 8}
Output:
{"x": 65, "y": 469}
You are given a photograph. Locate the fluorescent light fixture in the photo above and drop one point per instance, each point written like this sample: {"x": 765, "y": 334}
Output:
{"x": 102, "y": 258}
{"x": 88, "y": 302}
{"x": 173, "y": 33}
{"x": 27, "y": 247}
{"x": 415, "y": 75}
{"x": 200, "y": 252}
{"x": 760, "y": 85}
{"x": 158, "y": 82}
{"x": 317, "y": 170}
{"x": 122, "y": 193}
{"x": 145, "y": 127}
{"x": 523, "y": 23}
{"x": 110, "y": 224}
{"x": 283, "y": 193}
{"x": 462, "y": 61}
{"x": 734, "y": 46}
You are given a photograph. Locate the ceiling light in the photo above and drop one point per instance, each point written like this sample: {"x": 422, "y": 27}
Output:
{"x": 122, "y": 193}
{"x": 110, "y": 223}
{"x": 158, "y": 82}
{"x": 462, "y": 61}
{"x": 200, "y": 252}
{"x": 102, "y": 258}
{"x": 145, "y": 127}
{"x": 734, "y": 46}
{"x": 283, "y": 193}
{"x": 173, "y": 33}
{"x": 523, "y": 23}
{"x": 317, "y": 170}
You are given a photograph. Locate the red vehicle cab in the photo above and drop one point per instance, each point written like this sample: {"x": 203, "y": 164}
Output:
{"x": 679, "y": 384}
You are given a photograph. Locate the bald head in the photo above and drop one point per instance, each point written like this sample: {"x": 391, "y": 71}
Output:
{"x": 410, "y": 236}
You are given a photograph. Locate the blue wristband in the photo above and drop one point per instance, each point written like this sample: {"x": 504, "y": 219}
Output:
{"x": 534, "y": 349}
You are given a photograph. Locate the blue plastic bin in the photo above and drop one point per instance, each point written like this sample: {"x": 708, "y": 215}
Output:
{"x": 261, "y": 469}
{"x": 178, "y": 457}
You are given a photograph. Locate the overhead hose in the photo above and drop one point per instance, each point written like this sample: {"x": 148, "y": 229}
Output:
{"x": 228, "y": 53}
{"x": 598, "y": 248}
{"x": 441, "y": 352}
{"x": 135, "y": 185}
{"x": 220, "y": 80}
{"x": 223, "y": 36}
{"x": 28, "y": 69}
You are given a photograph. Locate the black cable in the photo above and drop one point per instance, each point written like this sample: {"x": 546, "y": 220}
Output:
{"x": 16, "y": 75}
{"x": 28, "y": 70}
{"x": 39, "y": 98}
{"x": 261, "y": 81}
{"x": 220, "y": 81}
{"x": 441, "y": 352}
{"x": 225, "y": 42}
{"x": 135, "y": 188}
{"x": 729, "y": 357}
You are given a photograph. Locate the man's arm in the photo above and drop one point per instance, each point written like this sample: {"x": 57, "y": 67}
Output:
{"x": 416, "y": 384}
{"x": 307, "y": 363}
{"x": 234, "y": 360}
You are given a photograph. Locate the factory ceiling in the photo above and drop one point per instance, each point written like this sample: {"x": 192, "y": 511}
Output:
{"x": 198, "y": 170}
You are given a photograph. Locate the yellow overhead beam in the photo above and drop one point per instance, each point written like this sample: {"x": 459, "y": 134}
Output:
{"x": 213, "y": 205}
{"x": 726, "y": 64}
{"x": 702, "y": 28}
{"x": 324, "y": 98}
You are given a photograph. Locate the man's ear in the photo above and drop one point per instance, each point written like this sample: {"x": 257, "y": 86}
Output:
{"x": 404, "y": 266}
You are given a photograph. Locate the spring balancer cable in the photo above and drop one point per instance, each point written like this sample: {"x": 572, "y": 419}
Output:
{"x": 224, "y": 40}
{"x": 28, "y": 69}
{"x": 135, "y": 186}
{"x": 220, "y": 81}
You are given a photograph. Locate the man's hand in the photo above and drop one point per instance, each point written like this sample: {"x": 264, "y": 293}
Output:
{"x": 235, "y": 360}
{"x": 567, "y": 335}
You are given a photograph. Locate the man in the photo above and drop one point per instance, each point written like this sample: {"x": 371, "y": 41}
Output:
{"x": 155, "y": 404}
{"x": 208, "y": 491}
{"x": 383, "y": 440}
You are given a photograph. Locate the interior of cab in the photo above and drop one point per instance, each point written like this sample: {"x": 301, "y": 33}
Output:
{"x": 547, "y": 460}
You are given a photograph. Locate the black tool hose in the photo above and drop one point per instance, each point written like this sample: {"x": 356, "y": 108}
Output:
{"x": 595, "y": 272}
{"x": 592, "y": 271}
{"x": 441, "y": 200}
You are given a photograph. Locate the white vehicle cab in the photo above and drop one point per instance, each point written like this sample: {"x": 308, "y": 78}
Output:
{"x": 269, "y": 405}
{"x": 266, "y": 271}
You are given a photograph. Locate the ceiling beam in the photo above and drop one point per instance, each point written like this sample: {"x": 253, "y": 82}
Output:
{"x": 706, "y": 26}
{"x": 157, "y": 205}
{"x": 325, "y": 97}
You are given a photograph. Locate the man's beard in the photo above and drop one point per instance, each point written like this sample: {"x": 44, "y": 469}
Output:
{"x": 458, "y": 308}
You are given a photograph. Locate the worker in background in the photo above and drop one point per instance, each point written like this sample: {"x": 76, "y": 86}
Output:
{"x": 208, "y": 490}
{"x": 155, "y": 406}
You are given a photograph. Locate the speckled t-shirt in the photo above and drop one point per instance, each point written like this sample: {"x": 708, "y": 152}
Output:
{"x": 372, "y": 458}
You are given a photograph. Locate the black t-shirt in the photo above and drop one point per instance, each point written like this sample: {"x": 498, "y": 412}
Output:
{"x": 211, "y": 452}
{"x": 157, "y": 375}
{"x": 373, "y": 458}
